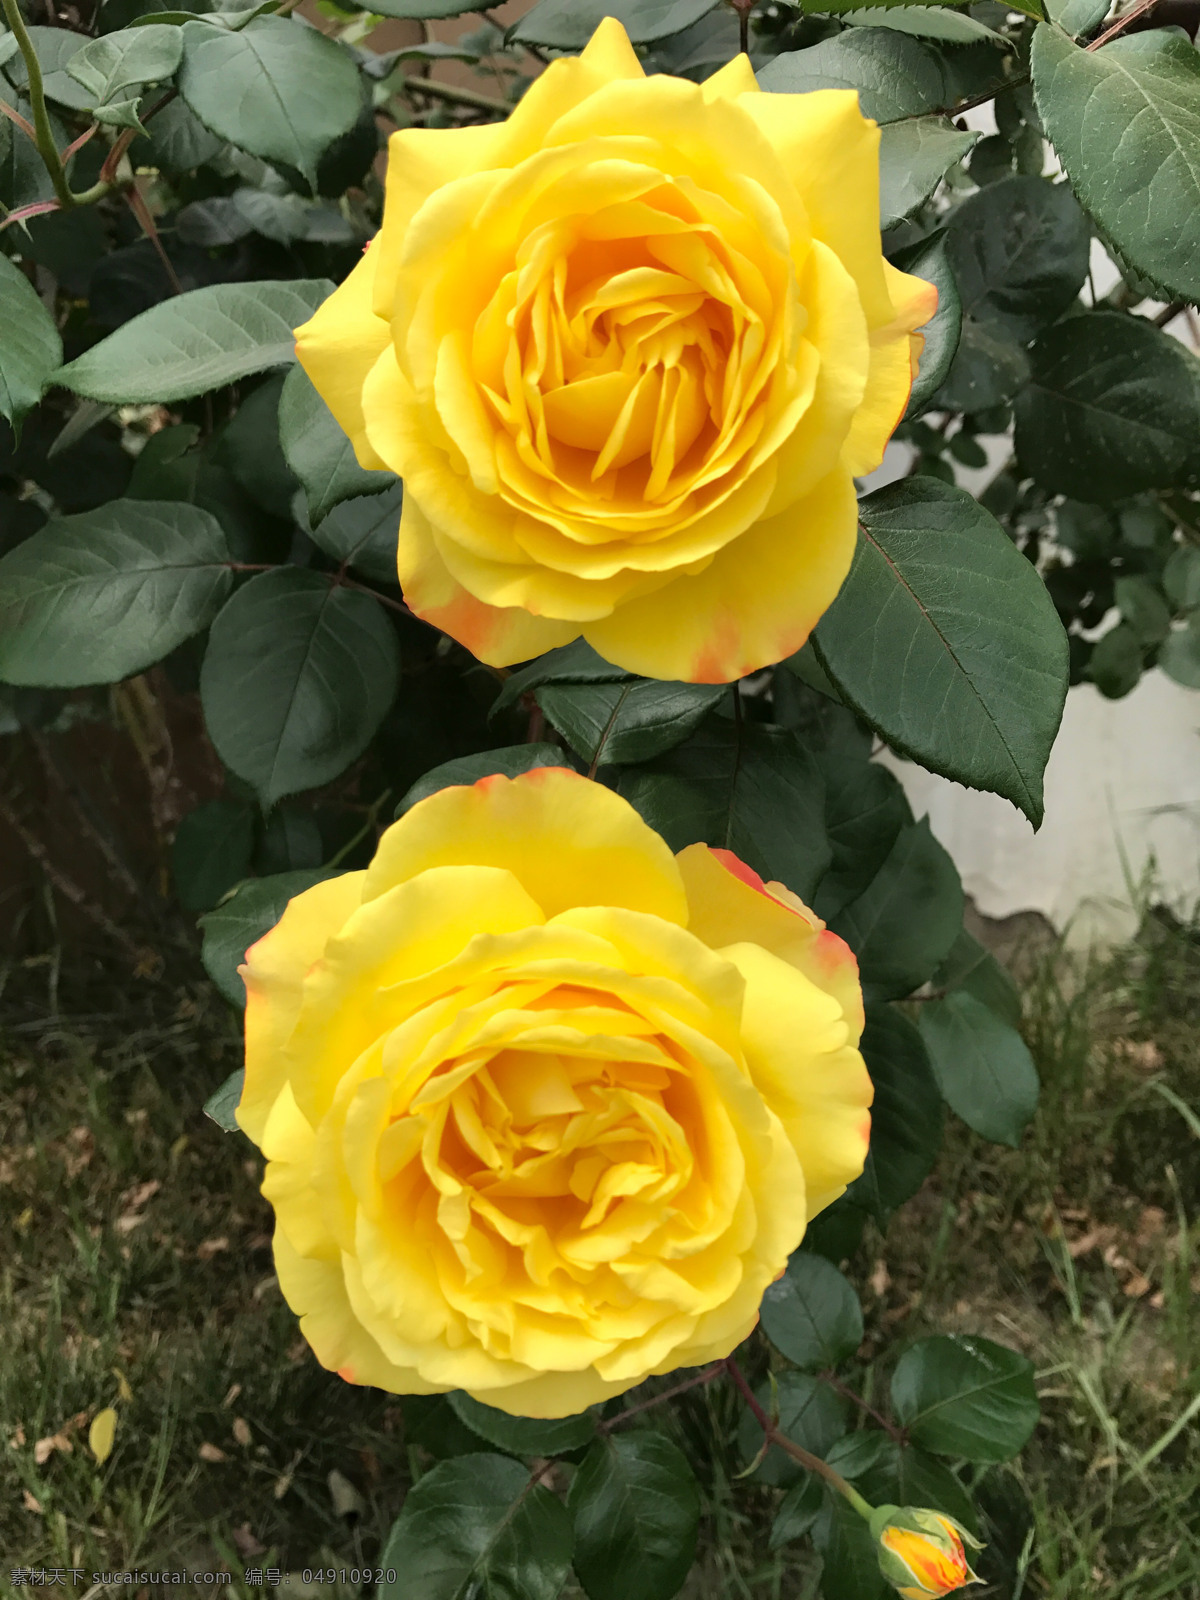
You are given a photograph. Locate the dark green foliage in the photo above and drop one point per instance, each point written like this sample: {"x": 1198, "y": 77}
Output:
{"x": 173, "y": 490}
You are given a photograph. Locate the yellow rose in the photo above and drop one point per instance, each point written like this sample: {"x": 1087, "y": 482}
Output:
{"x": 628, "y": 350}
{"x": 544, "y": 1107}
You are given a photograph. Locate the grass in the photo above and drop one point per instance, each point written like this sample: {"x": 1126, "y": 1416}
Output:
{"x": 135, "y": 1270}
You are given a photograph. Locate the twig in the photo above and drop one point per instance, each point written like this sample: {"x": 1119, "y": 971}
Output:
{"x": 83, "y": 811}
{"x": 1120, "y": 25}
{"x": 743, "y": 9}
{"x": 709, "y": 1373}
{"x": 43, "y": 133}
{"x": 1169, "y": 313}
{"x": 68, "y": 887}
{"x": 373, "y": 811}
{"x": 849, "y": 1394}
{"x": 443, "y": 91}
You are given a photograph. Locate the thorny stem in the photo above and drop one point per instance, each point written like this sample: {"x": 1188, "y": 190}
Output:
{"x": 808, "y": 1461}
{"x": 15, "y": 116}
{"x": 44, "y": 135}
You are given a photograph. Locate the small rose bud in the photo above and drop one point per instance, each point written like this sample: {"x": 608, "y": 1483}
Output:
{"x": 922, "y": 1552}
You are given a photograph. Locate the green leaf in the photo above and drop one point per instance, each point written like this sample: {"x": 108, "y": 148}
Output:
{"x": 944, "y": 639}
{"x": 100, "y": 596}
{"x": 812, "y": 1315}
{"x": 31, "y": 349}
{"x": 570, "y": 663}
{"x": 422, "y": 10}
{"x": 853, "y": 9}
{"x": 118, "y": 62}
{"x": 510, "y": 761}
{"x": 223, "y": 1103}
{"x": 855, "y": 1454}
{"x": 249, "y": 448}
{"x": 1078, "y": 17}
{"x": 798, "y": 1511}
{"x": 196, "y": 342}
{"x": 474, "y": 1526}
{"x": 1116, "y": 662}
{"x": 895, "y": 76}
{"x": 1019, "y": 253}
{"x": 637, "y": 1515}
{"x": 55, "y": 48}
{"x": 904, "y": 924}
{"x": 930, "y": 261}
{"x": 1181, "y": 578}
{"x": 902, "y": 1474}
{"x": 177, "y": 141}
{"x": 1112, "y": 407}
{"x": 627, "y": 721}
{"x": 1179, "y": 657}
{"x": 961, "y": 1396}
{"x": 982, "y": 1065}
{"x": 569, "y": 24}
{"x": 277, "y": 88}
{"x": 1142, "y": 606}
{"x": 850, "y": 1561}
{"x": 291, "y": 841}
{"x": 237, "y": 923}
{"x": 211, "y": 852}
{"x": 757, "y": 792}
{"x": 969, "y": 966}
{"x": 989, "y": 367}
{"x": 297, "y": 676}
{"x": 923, "y": 22}
{"x": 865, "y": 809}
{"x": 1125, "y": 123}
{"x": 364, "y": 532}
{"x": 914, "y": 157}
{"x": 811, "y": 1414}
{"x": 524, "y": 1436}
{"x": 906, "y": 1116}
{"x": 320, "y": 454}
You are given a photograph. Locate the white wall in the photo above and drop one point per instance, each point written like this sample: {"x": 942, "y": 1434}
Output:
{"x": 1122, "y": 796}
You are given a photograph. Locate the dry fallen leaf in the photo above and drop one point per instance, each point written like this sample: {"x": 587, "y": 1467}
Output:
{"x": 241, "y": 1431}
{"x": 212, "y": 1452}
{"x": 83, "y": 1147}
{"x": 211, "y": 1248}
{"x": 45, "y": 1448}
{"x": 17, "y": 1439}
{"x": 347, "y": 1502}
{"x": 28, "y": 1501}
{"x": 247, "y": 1544}
{"x": 234, "y": 1390}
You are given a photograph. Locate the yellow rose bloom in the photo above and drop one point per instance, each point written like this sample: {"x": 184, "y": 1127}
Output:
{"x": 545, "y": 1108}
{"x": 628, "y": 351}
